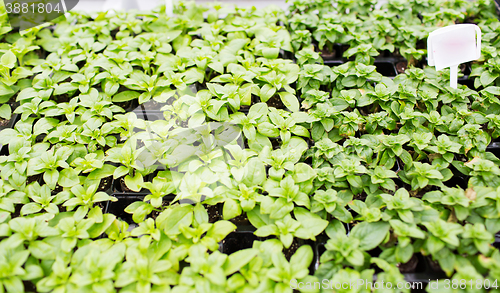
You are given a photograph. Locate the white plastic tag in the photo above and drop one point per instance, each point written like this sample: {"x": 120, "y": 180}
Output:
{"x": 169, "y": 8}
{"x": 452, "y": 45}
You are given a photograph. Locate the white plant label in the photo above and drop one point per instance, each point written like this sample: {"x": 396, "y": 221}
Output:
{"x": 452, "y": 45}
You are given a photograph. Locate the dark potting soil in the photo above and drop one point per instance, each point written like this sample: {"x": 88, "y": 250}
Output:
{"x": 213, "y": 213}
{"x": 240, "y": 220}
{"x": 123, "y": 186}
{"x": 401, "y": 66}
{"x": 105, "y": 184}
{"x": 292, "y": 249}
{"x": 236, "y": 241}
{"x": 410, "y": 266}
{"x": 57, "y": 190}
{"x": 4, "y": 122}
{"x": 385, "y": 68}
{"x": 33, "y": 178}
{"x": 276, "y": 102}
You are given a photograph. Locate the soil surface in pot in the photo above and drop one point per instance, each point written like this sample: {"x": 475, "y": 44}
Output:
{"x": 4, "y": 122}
{"x": 105, "y": 183}
{"x": 276, "y": 102}
{"x": 410, "y": 266}
{"x": 236, "y": 241}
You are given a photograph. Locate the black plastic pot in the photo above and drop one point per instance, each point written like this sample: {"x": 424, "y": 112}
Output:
{"x": 238, "y": 240}
{"x": 10, "y": 123}
{"x": 494, "y": 148}
{"x": 117, "y": 208}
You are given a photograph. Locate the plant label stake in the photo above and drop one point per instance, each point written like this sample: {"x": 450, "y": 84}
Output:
{"x": 452, "y": 45}
{"x": 169, "y": 8}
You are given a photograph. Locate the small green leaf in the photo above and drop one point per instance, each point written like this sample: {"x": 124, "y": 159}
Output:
{"x": 126, "y": 96}
{"x": 5, "y": 112}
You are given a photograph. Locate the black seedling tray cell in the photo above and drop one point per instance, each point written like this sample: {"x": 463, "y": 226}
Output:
{"x": 150, "y": 106}
{"x": 4, "y": 150}
{"x": 128, "y": 106}
{"x": 336, "y": 53}
{"x": 117, "y": 188}
{"x": 149, "y": 115}
{"x": 238, "y": 240}
{"x": 319, "y": 249}
{"x": 10, "y": 124}
{"x": 457, "y": 180}
{"x": 494, "y": 148}
{"x": 106, "y": 185}
{"x": 386, "y": 68}
{"x": 467, "y": 82}
{"x": 286, "y": 55}
{"x": 117, "y": 208}
{"x": 333, "y": 62}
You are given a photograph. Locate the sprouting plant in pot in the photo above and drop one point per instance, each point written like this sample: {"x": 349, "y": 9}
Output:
{"x": 85, "y": 197}
{"x": 283, "y": 198}
{"x": 14, "y": 271}
{"x": 381, "y": 95}
{"x": 350, "y": 123}
{"x": 13, "y": 167}
{"x": 355, "y": 75}
{"x": 205, "y": 270}
{"x": 93, "y": 164}
{"x": 483, "y": 172}
{"x": 145, "y": 87}
{"x": 312, "y": 76}
{"x": 300, "y": 39}
{"x": 368, "y": 213}
{"x": 332, "y": 202}
{"x": 97, "y": 105}
{"x": 41, "y": 199}
{"x": 232, "y": 94}
{"x": 444, "y": 146}
{"x": 159, "y": 188}
{"x": 363, "y": 53}
{"x": 94, "y": 266}
{"x": 389, "y": 148}
{"x": 307, "y": 56}
{"x": 273, "y": 82}
{"x": 256, "y": 114}
{"x": 189, "y": 225}
{"x": 145, "y": 267}
{"x": 348, "y": 174}
{"x": 48, "y": 164}
{"x": 404, "y": 250}
{"x": 245, "y": 266}
{"x": 381, "y": 177}
{"x": 441, "y": 241}
{"x": 377, "y": 122}
{"x": 401, "y": 205}
{"x": 135, "y": 163}
{"x": 307, "y": 225}
{"x": 284, "y": 273}
{"x": 97, "y": 134}
{"x": 244, "y": 196}
{"x": 351, "y": 251}
{"x": 10, "y": 74}
{"x": 35, "y": 108}
{"x": 283, "y": 159}
{"x": 473, "y": 138}
{"x": 476, "y": 238}
{"x": 451, "y": 198}
{"x": 420, "y": 175}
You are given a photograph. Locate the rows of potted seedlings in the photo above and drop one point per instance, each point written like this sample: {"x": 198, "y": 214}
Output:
{"x": 243, "y": 150}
